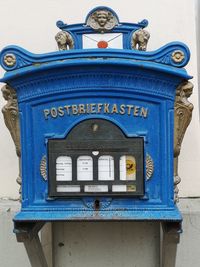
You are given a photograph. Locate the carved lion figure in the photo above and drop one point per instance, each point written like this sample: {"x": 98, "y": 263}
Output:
{"x": 140, "y": 39}
{"x": 64, "y": 40}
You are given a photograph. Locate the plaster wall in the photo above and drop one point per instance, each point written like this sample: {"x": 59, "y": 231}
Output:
{"x": 102, "y": 244}
{"x": 31, "y": 24}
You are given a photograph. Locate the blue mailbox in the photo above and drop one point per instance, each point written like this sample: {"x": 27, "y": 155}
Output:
{"x": 100, "y": 125}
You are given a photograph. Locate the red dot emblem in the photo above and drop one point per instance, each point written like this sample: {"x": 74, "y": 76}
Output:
{"x": 102, "y": 44}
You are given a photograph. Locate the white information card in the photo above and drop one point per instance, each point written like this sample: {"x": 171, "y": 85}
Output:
{"x": 127, "y": 166}
{"x": 64, "y": 168}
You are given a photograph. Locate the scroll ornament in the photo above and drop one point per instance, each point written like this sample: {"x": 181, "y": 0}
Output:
{"x": 182, "y": 117}
{"x": 11, "y": 119}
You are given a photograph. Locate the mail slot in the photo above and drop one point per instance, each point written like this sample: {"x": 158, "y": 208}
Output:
{"x": 101, "y": 122}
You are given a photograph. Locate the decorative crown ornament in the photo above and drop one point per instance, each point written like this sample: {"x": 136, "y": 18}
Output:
{"x": 102, "y": 19}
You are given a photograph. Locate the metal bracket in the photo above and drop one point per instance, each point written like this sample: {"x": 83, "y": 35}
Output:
{"x": 27, "y": 232}
{"x": 169, "y": 239}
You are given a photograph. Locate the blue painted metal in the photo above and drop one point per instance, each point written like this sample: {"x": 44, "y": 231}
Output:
{"x": 160, "y": 56}
{"x": 114, "y": 76}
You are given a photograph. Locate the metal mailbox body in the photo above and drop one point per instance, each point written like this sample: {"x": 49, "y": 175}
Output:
{"x": 133, "y": 90}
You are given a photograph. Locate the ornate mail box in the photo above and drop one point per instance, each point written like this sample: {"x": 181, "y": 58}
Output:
{"x": 97, "y": 134}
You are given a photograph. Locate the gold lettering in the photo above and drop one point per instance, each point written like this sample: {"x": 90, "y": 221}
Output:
{"x": 46, "y": 113}
{"x": 106, "y": 108}
{"x": 129, "y": 109}
{"x": 67, "y": 109}
{"x": 136, "y": 110}
{"x": 61, "y": 112}
{"x": 88, "y": 108}
{"x": 144, "y": 112}
{"x": 93, "y": 108}
{"x": 54, "y": 112}
{"x": 99, "y": 106}
{"x": 74, "y": 109}
{"x": 122, "y": 109}
{"x": 81, "y": 108}
{"x": 114, "y": 109}
{"x": 96, "y": 108}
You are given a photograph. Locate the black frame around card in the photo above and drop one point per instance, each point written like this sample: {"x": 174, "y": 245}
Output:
{"x": 106, "y": 138}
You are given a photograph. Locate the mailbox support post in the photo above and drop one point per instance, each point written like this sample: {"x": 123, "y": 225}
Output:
{"x": 27, "y": 233}
{"x": 170, "y": 237}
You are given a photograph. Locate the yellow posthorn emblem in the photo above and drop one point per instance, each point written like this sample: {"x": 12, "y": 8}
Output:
{"x": 130, "y": 166}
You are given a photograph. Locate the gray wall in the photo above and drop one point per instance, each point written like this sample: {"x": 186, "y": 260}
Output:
{"x": 127, "y": 244}
{"x": 11, "y": 253}
{"x": 117, "y": 244}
